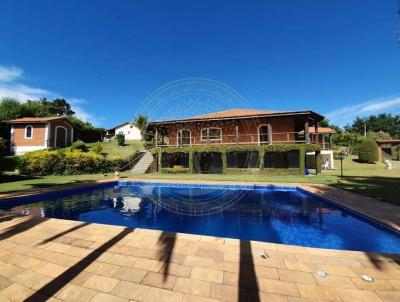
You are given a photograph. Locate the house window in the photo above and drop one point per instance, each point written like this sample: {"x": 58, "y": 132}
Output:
{"x": 183, "y": 137}
{"x": 28, "y": 132}
{"x": 282, "y": 160}
{"x": 263, "y": 134}
{"x": 212, "y": 134}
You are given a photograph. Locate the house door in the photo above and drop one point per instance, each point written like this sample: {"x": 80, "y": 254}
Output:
{"x": 61, "y": 137}
{"x": 263, "y": 134}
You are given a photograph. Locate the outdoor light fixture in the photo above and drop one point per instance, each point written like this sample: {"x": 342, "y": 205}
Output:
{"x": 367, "y": 278}
{"x": 341, "y": 157}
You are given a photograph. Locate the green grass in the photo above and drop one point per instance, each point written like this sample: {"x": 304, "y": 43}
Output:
{"x": 372, "y": 180}
{"x": 11, "y": 183}
{"x": 112, "y": 148}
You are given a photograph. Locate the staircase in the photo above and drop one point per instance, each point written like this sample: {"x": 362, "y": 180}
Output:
{"x": 143, "y": 164}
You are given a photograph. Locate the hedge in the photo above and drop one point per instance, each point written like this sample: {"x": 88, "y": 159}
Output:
{"x": 66, "y": 162}
{"x": 368, "y": 151}
{"x": 302, "y": 148}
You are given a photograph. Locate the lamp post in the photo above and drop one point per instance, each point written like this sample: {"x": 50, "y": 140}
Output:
{"x": 341, "y": 156}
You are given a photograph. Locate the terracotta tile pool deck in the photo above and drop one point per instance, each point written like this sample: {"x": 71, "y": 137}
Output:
{"x": 62, "y": 260}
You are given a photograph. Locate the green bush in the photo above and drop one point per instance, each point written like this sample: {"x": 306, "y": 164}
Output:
{"x": 368, "y": 151}
{"x": 120, "y": 139}
{"x": 79, "y": 162}
{"x": 175, "y": 170}
{"x": 41, "y": 162}
{"x": 67, "y": 162}
{"x": 96, "y": 148}
{"x": 3, "y": 147}
{"x": 79, "y": 145}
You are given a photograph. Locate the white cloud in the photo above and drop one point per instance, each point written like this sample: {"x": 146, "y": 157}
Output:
{"x": 347, "y": 114}
{"x": 8, "y": 74}
{"x": 10, "y": 86}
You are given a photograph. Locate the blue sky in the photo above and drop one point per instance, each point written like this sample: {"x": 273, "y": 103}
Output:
{"x": 340, "y": 58}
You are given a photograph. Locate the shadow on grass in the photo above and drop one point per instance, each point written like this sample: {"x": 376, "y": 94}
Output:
{"x": 356, "y": 160}
{"x": 385, "y": 189}
{"x": 45, "y": 185}
{"x": 13, "y": 177}
{"x": 58, "y": 283}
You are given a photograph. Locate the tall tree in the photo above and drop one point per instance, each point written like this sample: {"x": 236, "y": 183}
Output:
{"x": 141, "y": 121}
{"x": 382, "y": 122}
{"x": 9, "y": 109}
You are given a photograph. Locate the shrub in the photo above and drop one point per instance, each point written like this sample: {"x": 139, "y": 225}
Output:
{"x": 120, "y": 139}
{"x": 3, "y": 147}
{"x": 79, "y": 162}
{"x": 79, "y": 145}
{"x": 65, "y": 162}
{"x": 97, "y": 148}
{"x": 368, "y": 151}
{"x": 39, "y": 162}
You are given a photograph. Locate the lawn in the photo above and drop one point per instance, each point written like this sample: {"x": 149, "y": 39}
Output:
{"x": 113, "y": 149}
{"x": 372, "y": 180}
{"x": 10, "y": 183}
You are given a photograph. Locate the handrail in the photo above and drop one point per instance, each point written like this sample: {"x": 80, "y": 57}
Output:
{"x": 134, "y": 159}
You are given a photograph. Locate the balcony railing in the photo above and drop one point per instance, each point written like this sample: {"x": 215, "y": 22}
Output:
{"x": 241, "y": 139}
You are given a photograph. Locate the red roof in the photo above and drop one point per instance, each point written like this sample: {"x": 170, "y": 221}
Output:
{"x": 35, "y": 119}
{"x": 233, "y": 113}
{"x": 240, "y": 113}
{"x": 322, "y": 130}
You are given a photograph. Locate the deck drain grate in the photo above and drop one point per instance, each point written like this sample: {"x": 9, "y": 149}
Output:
{"x": 322, "y": 274}
{"x": 367, "y": 278}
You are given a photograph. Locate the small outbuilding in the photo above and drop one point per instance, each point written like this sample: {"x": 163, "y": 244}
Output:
{"x": 130, "y": 131}
{"x": 36, "y": 133}
{"x": 385, "y": 148}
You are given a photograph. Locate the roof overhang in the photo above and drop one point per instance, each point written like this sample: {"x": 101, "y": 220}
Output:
{"x": 313, "y": 115}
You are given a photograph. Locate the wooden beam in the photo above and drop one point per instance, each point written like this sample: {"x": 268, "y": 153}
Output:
{"x": 269, "y": 134}
{"x": 156, "y": 138}
{"x": 237, "y": 134}
{"x": 306, "y": 132}
{"x": 316, "y": 133}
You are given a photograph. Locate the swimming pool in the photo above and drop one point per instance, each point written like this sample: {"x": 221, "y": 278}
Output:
{"x": 285, "y": 215}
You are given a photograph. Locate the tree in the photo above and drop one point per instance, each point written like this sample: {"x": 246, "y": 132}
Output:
{"x": 141, "y": 122}
{"x": 382, "y": 122}
{"x": 368, "y": 151}
{"x": 60, "y": 107}
{"x": 326, "y": 123}
{"x": 43, "y": 108}
{"x": 9, "y": 109}
{"x": 350, "y": 140}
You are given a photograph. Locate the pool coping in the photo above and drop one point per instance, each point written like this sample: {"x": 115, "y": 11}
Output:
{"x": 380, "y": 212}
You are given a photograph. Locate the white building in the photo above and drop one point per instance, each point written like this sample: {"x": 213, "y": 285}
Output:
{"x": 130, "y": 131}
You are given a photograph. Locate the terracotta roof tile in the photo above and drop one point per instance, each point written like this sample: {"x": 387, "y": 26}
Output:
{"x": 238, "y": 113}
{"x": 233, "y": 113}
{"x": 322, "y": 130}
{"x": 35, "y": 119}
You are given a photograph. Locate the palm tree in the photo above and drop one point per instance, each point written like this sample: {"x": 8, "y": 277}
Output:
{"x": 141, "y": 122}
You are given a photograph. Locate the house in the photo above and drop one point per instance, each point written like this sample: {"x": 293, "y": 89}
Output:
{"x": 239, "y": 141}
{"x": 130, "y": 131}
{"x": 36, "y": 133}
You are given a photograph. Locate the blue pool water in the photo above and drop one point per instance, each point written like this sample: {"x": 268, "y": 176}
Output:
{"x": 272, "y": 214}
